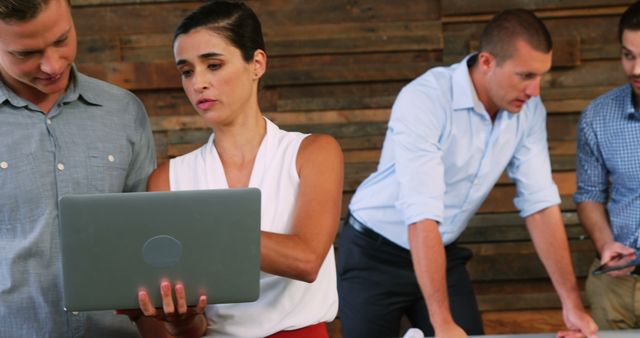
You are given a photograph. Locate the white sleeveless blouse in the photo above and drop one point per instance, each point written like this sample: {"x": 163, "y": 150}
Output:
{"x": 284, "y": 304}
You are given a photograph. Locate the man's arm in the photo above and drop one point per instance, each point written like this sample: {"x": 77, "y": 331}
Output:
{"x": 593, "y": 218}
{"x": 550, "y": 240}
{"x": 429, "y": 264}
{"x": 592, "y": 192}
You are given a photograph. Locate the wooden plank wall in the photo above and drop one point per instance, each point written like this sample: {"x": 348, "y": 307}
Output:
{"x": 335, "y": 66}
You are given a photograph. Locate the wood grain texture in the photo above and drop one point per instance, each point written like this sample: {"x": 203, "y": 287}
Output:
{"x": 336, "y": 67}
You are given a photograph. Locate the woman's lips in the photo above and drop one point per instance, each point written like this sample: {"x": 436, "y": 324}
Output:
{"x": 205, "y": 104}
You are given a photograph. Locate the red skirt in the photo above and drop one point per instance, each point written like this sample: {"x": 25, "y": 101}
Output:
{"x": 312, "y": 331}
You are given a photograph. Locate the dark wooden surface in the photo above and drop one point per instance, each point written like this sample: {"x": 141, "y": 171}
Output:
{"x": 335, "y": 66}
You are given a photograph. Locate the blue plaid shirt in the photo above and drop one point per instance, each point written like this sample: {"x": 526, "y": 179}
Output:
{"x": 608, "y": 161}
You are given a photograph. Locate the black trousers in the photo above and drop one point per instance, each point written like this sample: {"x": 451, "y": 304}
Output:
{"x": 377, "y": 286}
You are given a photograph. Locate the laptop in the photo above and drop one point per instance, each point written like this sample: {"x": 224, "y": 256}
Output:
{"x": 114, "y": 244}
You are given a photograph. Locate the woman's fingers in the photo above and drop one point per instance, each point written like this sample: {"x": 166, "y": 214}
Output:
{"x": 202, "y": 304}
{"x": 167, "y": 298}
{"x": 181, "y": 298}
{"x": 145, "y": 303}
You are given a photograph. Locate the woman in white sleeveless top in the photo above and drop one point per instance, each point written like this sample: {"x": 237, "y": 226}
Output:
{"x": 220, "y": 53}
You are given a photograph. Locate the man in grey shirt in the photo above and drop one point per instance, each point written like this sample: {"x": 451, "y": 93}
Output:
{"x": 61, "y": 133}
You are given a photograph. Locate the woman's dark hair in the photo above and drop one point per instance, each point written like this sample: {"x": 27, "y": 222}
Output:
{"x": 630, "y": 20}
{"x": 233, "y": 20}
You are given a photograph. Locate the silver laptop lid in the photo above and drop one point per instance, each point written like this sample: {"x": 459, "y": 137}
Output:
{"x": 114, "y": 244}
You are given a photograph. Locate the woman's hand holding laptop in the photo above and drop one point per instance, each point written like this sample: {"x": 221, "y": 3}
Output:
{"x": 179, "y": 319}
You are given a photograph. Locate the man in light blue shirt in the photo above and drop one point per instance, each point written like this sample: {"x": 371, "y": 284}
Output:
{"x": 451, "y": 134}
{"x": 608, "y": 194}
{"x": 61, "y": 133}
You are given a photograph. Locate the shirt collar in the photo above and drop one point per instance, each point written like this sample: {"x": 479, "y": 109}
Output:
{"x": 6, "y": 94}
{"x": 78, "y": 87}
{"x": 629, "y": 107}
{"x": 81, "y": 87}
{"x": 464, "y": 94}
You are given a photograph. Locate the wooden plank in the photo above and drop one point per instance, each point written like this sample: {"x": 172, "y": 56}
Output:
{"x": 339, "y": 96}
{"x": 566, "y": 51}
{"x": 142, "y": 18}
{"x": 559, "y": 94}
{"x": 126, "y": 19}
{"x": 500, "y": 199}
{"x": 135, "y": 75}
{"x": 311, "y": 39}
{"x": 98, "y": 49}
{"x": 563, "y": 162}
{"x": 518, "y": 260}
{"x": 343, "y": 130}
{"x": 361, "y": 156}
{"x": 506, "y": 227}
{"x": 362, "y": 142}
{"x": 160, "y": 141}
{"x": 458, "y": 7}
{"x": 354, "y": 37}
{"x": 334, "y": 69}
{"x": 562, "y": 147}
{"x": 169, "y": 102}
{"x": 562, "y": 127}
{"x": 311, "y": 12}
{"x": 487, "y": 290}
{"x": 592, "y": 31}
{"x": 566, "y": 204}
{"x": 193, "y": 121}
{"x": 569, "y": 105}
{"x": 80, "y": 3}
{"x": 519, "y": 301}
{"x": 604, "y": 50}
{"x": 349, "y": 68}
{"x": 330, "y": 116}
{"x": 522, "y": 321}
{"x": 145, "y": 47}
{"x": 337, "y": 74}
{"x": 593, "y": 73}
{"x": 496, "y": 234}
{"x": 513, "y": 219}
{"x": 188, "y": 137}
{"x": 174, "y": 150}
{"x": 460, "y": 11}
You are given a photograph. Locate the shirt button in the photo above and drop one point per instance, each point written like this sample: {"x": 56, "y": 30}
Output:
{"x": 4, "y": 165}
{"x": 111, "y": 158}
{"x": 60, "y": 166}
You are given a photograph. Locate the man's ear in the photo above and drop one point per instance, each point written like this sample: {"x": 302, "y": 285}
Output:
{"x": 486, "y": 61}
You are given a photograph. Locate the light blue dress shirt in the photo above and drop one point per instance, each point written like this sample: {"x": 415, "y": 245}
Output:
{"x": 442, "y": 156}
{"x": 608, "y": 161}
{"x": 96, "y": 139}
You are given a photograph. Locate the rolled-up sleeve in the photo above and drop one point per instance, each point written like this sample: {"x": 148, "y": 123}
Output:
{"x": 415, "y": 126}
{"x": 591, "y": 173}
{"x": 530, "y": 167}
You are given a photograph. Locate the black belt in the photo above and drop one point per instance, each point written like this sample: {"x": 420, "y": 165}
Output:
{"x": 363, "y": 229}
{"x": 636, "y": 271}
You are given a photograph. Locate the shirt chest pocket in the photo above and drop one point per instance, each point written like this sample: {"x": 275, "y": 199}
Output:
{"x": 108, "y": 169}
{"x": 22, "y": 198}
